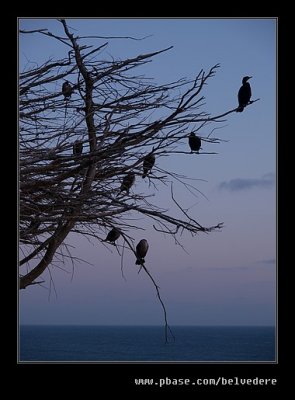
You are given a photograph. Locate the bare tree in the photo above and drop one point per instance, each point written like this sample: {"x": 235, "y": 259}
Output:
{"x": 86, "y": 128}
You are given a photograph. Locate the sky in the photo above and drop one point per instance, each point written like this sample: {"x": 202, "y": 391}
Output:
{"x": 226, "y": 277}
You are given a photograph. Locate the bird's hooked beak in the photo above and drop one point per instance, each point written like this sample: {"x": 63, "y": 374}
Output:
{"x": 249, "y": 77}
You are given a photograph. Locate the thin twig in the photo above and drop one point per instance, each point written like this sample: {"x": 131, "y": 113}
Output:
{"x": 167, "y": 328}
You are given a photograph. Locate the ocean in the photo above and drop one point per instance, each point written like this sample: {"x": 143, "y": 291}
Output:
{"x": 146, "y": 343}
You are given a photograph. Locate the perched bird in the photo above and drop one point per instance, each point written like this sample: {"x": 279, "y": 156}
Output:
{"x": 127, "y": 182}
{"x": 194, "y": 142}
{"x": 148, "y": 164}
{"x": 141, "y": 250}
{"x": 55, "y": 163}
{"x": 77, "y": 148}
{"x": 113, "y": 235}
{"x": 244, "y": 94}
{"x": 67, "y": 90}
{"x": 34, "y": 225}
{"x": 70, "y": 210}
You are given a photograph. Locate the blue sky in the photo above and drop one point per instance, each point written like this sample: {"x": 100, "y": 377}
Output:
{"x": 228, "y": 277}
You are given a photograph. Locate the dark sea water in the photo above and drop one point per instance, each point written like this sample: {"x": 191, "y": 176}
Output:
{"x": 145, "y": 343}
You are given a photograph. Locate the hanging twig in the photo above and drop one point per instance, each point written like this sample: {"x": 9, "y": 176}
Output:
{"x": 167, "y": 327}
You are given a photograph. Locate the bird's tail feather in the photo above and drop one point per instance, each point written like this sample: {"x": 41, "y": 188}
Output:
{"x": 139, "y": 261}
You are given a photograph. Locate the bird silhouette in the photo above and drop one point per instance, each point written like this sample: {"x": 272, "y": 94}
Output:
{"x": 34, "y": 225}
{"x": 244, "y": 94}
{"x": 148, "y": 164}
{"x": 141, "y": 250}
{"x": 77, "y": 148}
{"x": 127, "y": 182}
{"x": 194, "y": 142}
{"x": 67, "y": 90}
{"x": 113, "y": 235}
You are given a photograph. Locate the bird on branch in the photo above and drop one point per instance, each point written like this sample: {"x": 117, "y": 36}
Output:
{"x": 34, "y": 225}
{"x": 113, "y": 235}
{"x": 127, "y": 182}
{"x": 141, "y": 250}
{"x": 194, "y": 142}
{"x": 67, "y": 90}
{"x": 148, "y": 164}
{"x": 77, "y": 148}
{"x": 244, "y": 94}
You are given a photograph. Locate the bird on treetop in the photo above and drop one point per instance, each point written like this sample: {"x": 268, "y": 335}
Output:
{"x": 244, "y": 94}
{"x": 194, "y": 142}
{"x": 148, "y": 163}
{"x": 141, "y": 250}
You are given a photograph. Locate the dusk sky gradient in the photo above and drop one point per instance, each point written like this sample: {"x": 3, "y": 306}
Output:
{"x": 227, "y": 277}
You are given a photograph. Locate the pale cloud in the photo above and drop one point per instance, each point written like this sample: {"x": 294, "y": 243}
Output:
{"x": 233, "y": 185}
